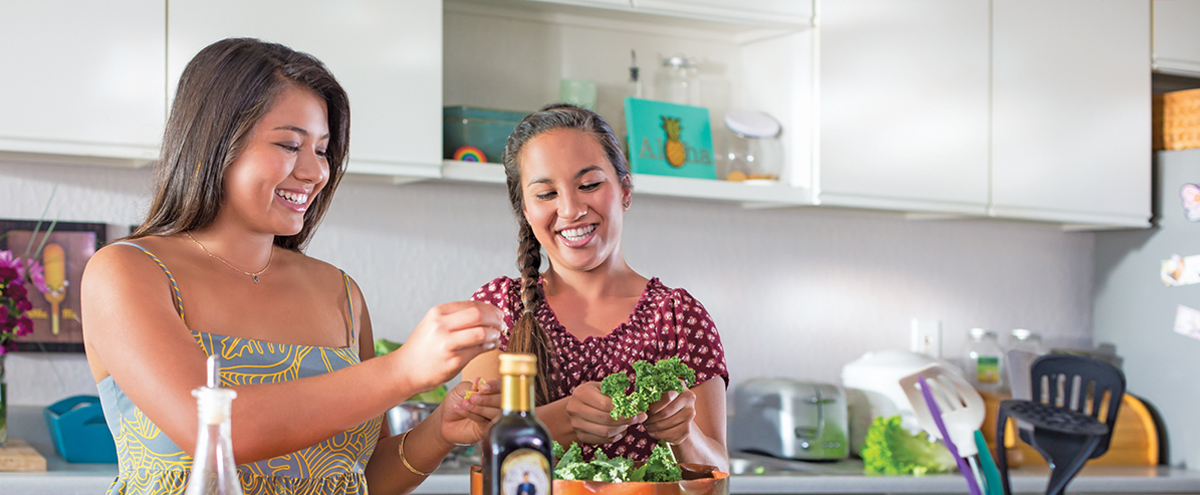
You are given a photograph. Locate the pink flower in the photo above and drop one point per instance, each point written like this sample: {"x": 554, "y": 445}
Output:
{"x": 8, "y": 347}
{"x": 15, "y": 291}
{"x": 8, "y": 260}
{"x": 3, "y": 317}
{"x": 24, "y": 305}
{"x": 24, "y": 326}
{"x": 36, "y": 275}
{"x": 7, "y": 274}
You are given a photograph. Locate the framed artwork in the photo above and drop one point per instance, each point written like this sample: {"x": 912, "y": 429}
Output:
{"x": 55, "y": 314}
{"x": 669, "y": 139}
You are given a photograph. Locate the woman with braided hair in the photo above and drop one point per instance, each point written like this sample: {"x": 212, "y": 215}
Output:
{"x": 589, "y": 314}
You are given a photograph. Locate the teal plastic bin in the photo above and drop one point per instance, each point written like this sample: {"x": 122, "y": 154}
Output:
{"x": 79, "y": 431}
{"x": 482, "y": 128}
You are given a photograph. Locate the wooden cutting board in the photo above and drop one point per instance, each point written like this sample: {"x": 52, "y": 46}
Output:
{"x": 19, "y": 456}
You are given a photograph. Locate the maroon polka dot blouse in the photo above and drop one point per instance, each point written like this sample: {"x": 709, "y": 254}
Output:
{"x": 666, "y": 323}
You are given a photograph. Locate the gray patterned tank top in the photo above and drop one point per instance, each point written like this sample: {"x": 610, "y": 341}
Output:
{"x": 150, "y": 463}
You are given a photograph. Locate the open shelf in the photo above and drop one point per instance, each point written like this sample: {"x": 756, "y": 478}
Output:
{"x": 751, "y": 195}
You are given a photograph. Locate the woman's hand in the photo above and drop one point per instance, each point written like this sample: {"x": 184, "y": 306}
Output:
{"x": 671, "y": 417}
{"x": 468, "y": 412}
{"x": 446, "y": 340}
{"x": 589, "y": 412}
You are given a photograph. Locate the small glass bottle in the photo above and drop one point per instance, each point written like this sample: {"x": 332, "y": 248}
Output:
{"x": 633, "y": 89}
{"x": 213, "y": 470}
{"x": 985, "y": 361}
{"x": 1025, "y": 340}
{"x": 517, "y": 453}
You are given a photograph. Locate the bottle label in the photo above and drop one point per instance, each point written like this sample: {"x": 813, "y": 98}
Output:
{"x": 987, "y": 369}
{"x": 525, "y": 472}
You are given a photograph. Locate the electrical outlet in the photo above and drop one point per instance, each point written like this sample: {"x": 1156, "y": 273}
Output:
{"x": 927, "y": 337}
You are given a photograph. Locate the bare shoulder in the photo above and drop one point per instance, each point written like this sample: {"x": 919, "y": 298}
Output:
{"x": 322, "y": 274}
{"x": 122, "y": 262}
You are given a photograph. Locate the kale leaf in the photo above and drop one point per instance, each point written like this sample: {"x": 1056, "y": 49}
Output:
{"x": 650, "y": 383}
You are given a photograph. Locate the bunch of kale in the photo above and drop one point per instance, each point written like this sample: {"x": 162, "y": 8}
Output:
{"x": 660, "y": 468}
{"x": 650, "y": 383}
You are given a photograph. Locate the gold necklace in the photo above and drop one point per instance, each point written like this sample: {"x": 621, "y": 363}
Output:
{"x": 222, "y": 260}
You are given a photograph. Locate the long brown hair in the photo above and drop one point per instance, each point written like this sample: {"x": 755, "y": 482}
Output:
{"x": 224, "y": 91}
{"x": 527, "y": 336}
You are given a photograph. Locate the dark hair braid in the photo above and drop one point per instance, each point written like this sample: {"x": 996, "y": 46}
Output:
{"x": 527, "y": 336}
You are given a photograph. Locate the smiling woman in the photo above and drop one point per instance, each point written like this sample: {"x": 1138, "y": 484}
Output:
{"x": 253, "y": 151}
{"x": 589, "y": 314}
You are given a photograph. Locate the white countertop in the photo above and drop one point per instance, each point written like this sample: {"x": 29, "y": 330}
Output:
{"x": 63, "y": 478}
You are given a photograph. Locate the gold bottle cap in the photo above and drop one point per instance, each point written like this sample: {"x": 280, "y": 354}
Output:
{"x": 518, "y": 364}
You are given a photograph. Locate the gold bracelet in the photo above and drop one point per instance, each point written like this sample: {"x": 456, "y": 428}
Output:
{"x": 405, "y": 460}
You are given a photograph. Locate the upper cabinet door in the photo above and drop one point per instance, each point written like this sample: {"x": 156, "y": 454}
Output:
{"x": 387, "y": 54}
{"x": 797, "y": 12}
{"x": 83, "y": 78}
{"x": 1177, "y": 37}
{"x": 1071, "y": 111}
{"x": 904, "y": 104}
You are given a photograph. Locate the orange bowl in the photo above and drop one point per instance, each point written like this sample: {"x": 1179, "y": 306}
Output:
{"x": 716, "y": 485}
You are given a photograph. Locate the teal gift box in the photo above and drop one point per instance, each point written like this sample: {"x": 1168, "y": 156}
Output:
{"x": 669, "y": 139}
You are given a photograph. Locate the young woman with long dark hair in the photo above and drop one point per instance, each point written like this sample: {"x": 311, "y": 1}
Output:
{"x": 589, "y": 314}
{"x": 254, "y": 148}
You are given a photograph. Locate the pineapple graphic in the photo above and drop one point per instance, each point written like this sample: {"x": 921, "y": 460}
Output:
{"x": 673, "y": 149}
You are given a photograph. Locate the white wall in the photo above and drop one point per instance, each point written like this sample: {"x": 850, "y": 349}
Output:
{"x": 795, "y": 292}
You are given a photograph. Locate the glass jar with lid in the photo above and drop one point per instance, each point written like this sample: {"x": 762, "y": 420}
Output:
{"x": 1025, "y": 340}
{"x": 985, "y": 361}
{"x": 751, "y": 149}
{"x": 678, "y": 81}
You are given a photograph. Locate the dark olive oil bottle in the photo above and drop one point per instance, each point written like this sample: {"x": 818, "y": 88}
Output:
{"x": 518, "y": 456}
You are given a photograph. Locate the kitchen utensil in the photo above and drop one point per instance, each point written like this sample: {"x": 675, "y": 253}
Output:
{"x": 789, "y": 419}
{"x": 936, "y": 413}
{"x": 962, "y": 406}
{"x": 1074, "y": 424}
{"x": 991, "y": 475}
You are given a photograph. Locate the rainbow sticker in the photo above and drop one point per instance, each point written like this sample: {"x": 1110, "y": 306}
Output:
{"x": 470, "y": 154}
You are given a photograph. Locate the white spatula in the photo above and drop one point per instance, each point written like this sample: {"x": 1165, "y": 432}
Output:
{"x": 961, "y": 406}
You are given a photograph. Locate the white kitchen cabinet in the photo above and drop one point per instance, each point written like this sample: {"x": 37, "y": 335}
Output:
{"x": 386, "y": 54}
{"x": 84, "y": 80}
{"x": 1177, "y": 37}
{"x": 512, "y": 54}
{"x": 904, "y": 104}
{"x": 1071, "y": 111}
{"x": 797, "y": 12}
{"x": 764, "y": 12}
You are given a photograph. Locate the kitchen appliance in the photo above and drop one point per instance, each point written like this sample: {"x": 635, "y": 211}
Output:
{"x": 872, "y": 385}
{"x": 789, "y": 419}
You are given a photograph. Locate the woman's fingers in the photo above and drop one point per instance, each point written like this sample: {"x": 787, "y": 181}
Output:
{"x": 475, "y": 340}
{"x": 671, "y": 405}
